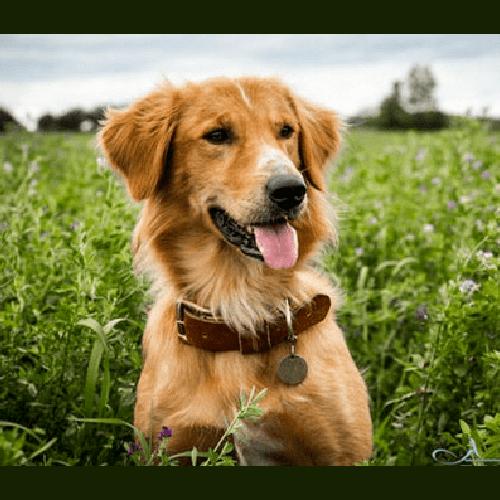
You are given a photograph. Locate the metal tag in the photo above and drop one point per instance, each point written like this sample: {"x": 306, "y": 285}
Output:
{"x": 292, "y": 369}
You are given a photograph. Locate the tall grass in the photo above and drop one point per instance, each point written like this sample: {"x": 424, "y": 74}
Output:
{"x": 417, "y": 260}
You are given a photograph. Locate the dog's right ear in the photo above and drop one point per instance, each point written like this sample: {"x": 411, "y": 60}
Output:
{"x": 136, "y": 140}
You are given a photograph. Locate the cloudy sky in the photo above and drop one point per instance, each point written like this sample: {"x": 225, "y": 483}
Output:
{"x": 52, "y": 73}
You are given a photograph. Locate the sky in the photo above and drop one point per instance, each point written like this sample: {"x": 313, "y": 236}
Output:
{"x": 349, "y": 73}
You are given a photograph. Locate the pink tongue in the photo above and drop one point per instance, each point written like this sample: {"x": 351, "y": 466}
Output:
{"x": 278, "y": 244}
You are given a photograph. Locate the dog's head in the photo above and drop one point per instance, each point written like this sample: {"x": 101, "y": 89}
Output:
{"x": 243, "y": 156}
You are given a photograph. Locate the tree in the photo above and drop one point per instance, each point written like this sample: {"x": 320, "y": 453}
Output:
{"x": 5, "y": 118}
{"x": 95, "y": 116}
{"x": 71, "y": 120}
{"x": 47, "y": 123}
{"x": 411, "y": 104}
{"x": 421, "y": 84}
{"x": 392, "y": 115}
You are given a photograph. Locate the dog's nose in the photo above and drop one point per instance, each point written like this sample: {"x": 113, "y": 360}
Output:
{"x": 286, "y": 191}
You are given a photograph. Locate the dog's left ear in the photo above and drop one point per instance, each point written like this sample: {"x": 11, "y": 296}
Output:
{"x": 319, "y": 139}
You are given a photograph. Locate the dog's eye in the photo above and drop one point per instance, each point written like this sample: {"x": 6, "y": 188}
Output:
{"x": 286, "y": 132}
{"x": 218, "y": 136}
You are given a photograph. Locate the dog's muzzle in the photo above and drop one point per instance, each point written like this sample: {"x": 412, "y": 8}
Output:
{"x": 271, "y": 239}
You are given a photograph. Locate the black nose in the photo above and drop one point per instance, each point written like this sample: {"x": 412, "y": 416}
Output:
{"x": 286, "y": 191}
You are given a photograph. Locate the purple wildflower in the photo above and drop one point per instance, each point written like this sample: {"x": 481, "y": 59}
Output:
{"x": 134, "y": 447}
{"x": 165, "y": 432}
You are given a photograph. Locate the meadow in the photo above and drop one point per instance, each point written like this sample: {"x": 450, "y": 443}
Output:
{"x": 417, "y": 263}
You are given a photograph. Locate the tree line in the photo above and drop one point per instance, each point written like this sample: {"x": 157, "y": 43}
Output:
{"x": 74, "y": 120}
{"x": 411, "y": 105}
{"x": 393, "y": 116}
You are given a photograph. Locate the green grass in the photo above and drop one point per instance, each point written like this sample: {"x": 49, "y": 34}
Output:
{"x": 417, "y": 261}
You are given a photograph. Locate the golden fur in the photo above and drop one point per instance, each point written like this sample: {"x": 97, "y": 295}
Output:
{"x": 159, "y": 145}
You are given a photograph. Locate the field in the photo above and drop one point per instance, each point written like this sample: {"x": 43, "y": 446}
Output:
{"x": 417, "y": 262}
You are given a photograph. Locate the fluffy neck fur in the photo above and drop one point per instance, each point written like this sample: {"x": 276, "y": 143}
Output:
{"x": 193, "y": 262}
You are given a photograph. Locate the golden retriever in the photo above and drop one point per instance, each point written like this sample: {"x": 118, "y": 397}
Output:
{"x": 231, "y": 175}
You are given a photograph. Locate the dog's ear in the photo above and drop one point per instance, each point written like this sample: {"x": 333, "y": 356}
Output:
{"x": 319, "y": 139}
{"x": 136, "y": 140}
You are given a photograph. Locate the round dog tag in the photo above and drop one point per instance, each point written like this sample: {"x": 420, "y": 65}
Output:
{"x": 292, "y": 369}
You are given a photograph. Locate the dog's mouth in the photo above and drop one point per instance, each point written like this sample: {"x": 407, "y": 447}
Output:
{"x": 274, "y": 243}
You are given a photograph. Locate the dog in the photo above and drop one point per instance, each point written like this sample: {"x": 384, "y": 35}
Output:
{"x": 231, "y": 175}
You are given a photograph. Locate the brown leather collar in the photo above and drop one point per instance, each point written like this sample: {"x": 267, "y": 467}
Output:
{"x": 199, "y": 328}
